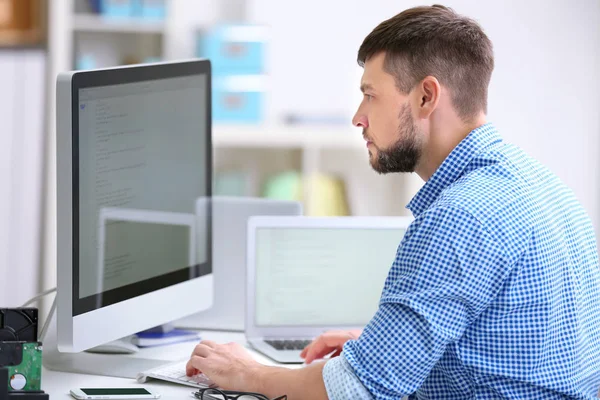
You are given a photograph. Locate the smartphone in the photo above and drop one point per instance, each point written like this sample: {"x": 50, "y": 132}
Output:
{"x": 113, "y": 393}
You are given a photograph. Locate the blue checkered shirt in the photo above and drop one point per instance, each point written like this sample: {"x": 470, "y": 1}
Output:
{"x": 494, "y": 292}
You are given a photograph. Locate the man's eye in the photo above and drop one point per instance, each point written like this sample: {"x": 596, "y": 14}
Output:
{"x": 368, "y": 97}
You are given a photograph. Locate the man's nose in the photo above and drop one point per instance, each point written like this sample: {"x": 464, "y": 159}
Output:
{"x": 360, "y": 121}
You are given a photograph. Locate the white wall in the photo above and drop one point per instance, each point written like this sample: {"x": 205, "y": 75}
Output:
{"x": 21, "y": 163}
{"x": 544, "y": 93}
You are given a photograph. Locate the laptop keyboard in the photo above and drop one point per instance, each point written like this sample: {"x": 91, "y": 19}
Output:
{"x": 288, "y": 344}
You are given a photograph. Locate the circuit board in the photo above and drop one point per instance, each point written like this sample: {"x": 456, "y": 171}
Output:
{"x": 26, "y": 375}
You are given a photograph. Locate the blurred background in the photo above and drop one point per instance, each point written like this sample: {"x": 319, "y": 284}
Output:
{"x": 285, "y": 87}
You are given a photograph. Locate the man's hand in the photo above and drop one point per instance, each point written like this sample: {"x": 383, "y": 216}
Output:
{"x": 327, "y": 343}
{"x": 231, "y": 367}
{"x": 227, "y": 365}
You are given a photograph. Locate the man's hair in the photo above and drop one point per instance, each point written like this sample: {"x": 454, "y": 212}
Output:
{"x": 435, "y": 41}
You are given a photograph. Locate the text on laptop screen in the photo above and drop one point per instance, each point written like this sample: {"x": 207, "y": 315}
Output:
{"x": 321, "y": 276}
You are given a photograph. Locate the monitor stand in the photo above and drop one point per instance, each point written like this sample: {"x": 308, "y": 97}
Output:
{"x": 115, "y": 365}
{"x": 121, "y": 346}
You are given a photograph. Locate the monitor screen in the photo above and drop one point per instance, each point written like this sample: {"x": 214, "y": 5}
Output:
{"x": 321, "y": 276}
{"x": 141, "y": 165}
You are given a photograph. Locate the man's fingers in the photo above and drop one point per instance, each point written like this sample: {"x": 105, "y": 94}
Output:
{"x": 191, "y": 366}
{"x": 209, "y": 343}
{"x": 309, "y": 346}
{"x": 189, "y": 369}
{"x": 317, "y": 350}
{"x": 199, "y": 363}
{"x": 304, "y": 351}
{"x": 316, "y": 346}
{"x": 324, "y": 345}
{"x": 201, "y": 350}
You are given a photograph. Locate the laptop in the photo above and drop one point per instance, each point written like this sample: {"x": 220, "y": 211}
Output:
{"x": 309, "y": 275}
{"x": 229, "y": 227}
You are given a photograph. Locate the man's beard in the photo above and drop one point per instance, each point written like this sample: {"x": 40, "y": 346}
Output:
{"x": 403, "y": 155}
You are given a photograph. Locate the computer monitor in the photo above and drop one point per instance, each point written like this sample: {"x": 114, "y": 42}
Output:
{"x": 133, "y": 161}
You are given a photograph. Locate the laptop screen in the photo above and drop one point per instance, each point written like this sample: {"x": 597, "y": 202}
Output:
{"x": 321, "y": 276}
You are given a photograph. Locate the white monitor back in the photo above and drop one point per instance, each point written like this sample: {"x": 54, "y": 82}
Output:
{"x": 229, "y": 235}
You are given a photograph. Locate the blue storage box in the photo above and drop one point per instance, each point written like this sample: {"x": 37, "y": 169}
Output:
{"x": 150, "y": 9}
{"x": 234, "y": 48}
{"x": 85, "y": 61}
{"x": 238, "y": 99}
{"x": 96, "y": 6}
{"x": 117, "y": 8}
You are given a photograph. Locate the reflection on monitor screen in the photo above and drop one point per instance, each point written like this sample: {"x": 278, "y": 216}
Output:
{"x": 136, "y": 245}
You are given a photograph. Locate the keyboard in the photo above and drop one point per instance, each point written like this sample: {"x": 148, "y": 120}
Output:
{"x": 175, "y": 372}
{"x": 288, "y": 344}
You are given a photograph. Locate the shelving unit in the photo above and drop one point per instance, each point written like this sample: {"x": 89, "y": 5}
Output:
{"x": 93, "y": 23}
{"x": 282, "y": 136}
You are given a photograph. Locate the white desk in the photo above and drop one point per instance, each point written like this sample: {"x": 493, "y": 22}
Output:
{"x": 58, "y": 384}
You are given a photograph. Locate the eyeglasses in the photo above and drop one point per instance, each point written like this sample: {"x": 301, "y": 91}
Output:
{"x": 216, "y": 394}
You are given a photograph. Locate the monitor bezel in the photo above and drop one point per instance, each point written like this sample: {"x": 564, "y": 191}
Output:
{"x": 126, "y": 75}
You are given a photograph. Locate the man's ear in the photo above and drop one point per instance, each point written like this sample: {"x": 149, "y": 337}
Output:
{"x": 429, "y": 91}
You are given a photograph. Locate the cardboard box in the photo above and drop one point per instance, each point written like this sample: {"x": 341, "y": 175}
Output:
{"x": 16, "y": 15}
{"x": 22, "y": 22}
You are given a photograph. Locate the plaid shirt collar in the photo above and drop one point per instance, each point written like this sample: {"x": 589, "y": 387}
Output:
{"x": 453, "y": 166}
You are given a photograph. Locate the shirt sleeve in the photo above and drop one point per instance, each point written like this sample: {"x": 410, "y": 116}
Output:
{"x": 447, "y": 271}
{"x": 341, "y": 383}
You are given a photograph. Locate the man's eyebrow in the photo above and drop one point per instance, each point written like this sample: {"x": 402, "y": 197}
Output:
{"x": 365, "y": 86}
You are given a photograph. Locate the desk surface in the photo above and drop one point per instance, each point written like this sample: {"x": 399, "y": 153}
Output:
{"x": 58, "y": 384}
